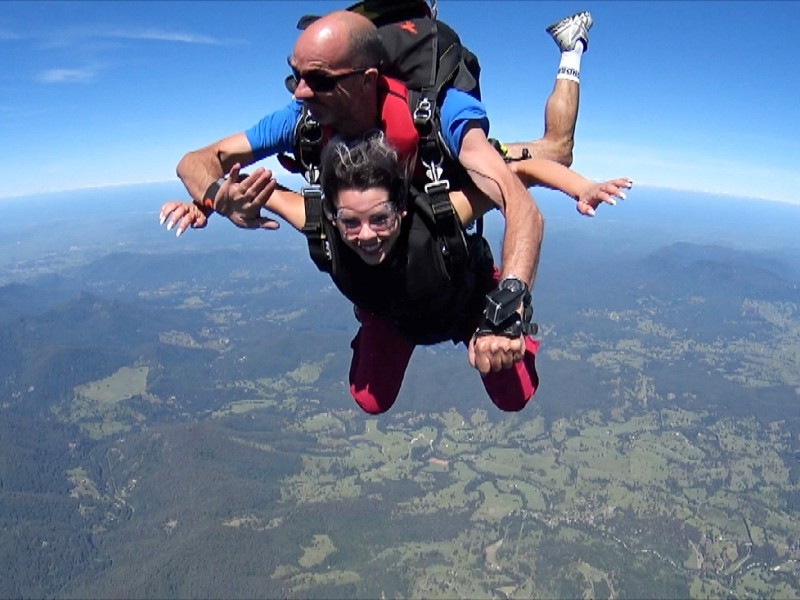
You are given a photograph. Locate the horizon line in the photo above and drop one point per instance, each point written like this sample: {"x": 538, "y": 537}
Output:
{"x": 101, "y": 186}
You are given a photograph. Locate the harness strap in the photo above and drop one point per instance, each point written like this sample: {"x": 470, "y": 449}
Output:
{"x": 426, "y": 121}
{"x": 319, "y": 246}
{"x": 308, "y": 146}
{"x": 447, "y": 225}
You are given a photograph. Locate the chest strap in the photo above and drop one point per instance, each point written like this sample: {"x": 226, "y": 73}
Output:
{"x": 319, "y": 246}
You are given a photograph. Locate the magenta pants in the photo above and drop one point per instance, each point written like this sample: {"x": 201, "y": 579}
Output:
{"x": 381, "y": 355}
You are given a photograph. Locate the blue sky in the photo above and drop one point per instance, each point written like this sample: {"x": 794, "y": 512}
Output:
{"x": 688, "y": 95}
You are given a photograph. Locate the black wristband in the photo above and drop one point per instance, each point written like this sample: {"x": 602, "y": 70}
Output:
{"x": 513, "y": 327}
{"x": 211, "y": 193}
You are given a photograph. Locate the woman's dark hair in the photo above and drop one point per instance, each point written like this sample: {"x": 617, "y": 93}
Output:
{"x": 365, "y": 163}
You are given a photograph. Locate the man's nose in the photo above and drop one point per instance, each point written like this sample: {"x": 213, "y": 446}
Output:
{"x": 302, "y": 91}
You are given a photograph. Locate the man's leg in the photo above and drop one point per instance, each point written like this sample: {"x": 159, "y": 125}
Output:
{"x": 380, "y": 358}
{"x": 571, "y": 34}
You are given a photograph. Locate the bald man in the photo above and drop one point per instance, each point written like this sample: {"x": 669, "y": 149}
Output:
{"x": 337, "y": 54}
{"x": 335, "y": 65}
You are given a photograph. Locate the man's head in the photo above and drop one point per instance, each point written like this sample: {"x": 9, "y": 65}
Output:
{"x": 335, "y": 64}
{"x": 365, "y": 187}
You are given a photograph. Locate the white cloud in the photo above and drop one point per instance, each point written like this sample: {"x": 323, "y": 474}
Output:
{"x": 81, "y": 36}
{"x": 8, "y": 35}
{"x": 164, "y": 36}
{"x": 84, "y": 75}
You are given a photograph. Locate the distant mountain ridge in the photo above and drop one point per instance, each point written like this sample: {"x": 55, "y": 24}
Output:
{"x": 705, "y": 265}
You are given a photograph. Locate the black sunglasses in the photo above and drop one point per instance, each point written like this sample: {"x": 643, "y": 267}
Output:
{"x": 318, "y": 81}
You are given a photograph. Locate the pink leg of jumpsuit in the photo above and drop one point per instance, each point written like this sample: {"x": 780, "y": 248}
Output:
{"x": 510, "y": 389}
{"x": 380, "y": 359}
{"x": 381, "y": 356}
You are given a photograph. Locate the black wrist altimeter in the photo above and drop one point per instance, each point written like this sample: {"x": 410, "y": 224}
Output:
{"x": 206, "y": 204}
{"x": 501, "y": 315}
{"x": 211, "y": 193}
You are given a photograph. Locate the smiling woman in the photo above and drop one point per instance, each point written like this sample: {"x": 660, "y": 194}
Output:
{"x": 365, "y": 188}
{"x": 413, "y": 273}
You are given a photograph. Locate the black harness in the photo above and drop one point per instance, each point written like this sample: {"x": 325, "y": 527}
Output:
{"x": 433, "y": 284}
{"x": 428, "y": 57}
{"x": 451, "y": 271}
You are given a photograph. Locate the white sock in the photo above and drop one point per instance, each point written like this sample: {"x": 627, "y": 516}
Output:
{"x": 570, "y": 65}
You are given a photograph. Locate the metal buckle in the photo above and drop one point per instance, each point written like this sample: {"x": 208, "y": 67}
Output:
{"x": 437, "y": 187}
{"x": 312, "y": 191}
{"x": 424, "y": 111}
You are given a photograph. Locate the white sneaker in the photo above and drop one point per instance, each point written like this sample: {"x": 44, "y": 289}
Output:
{"x": 569, "y": 30}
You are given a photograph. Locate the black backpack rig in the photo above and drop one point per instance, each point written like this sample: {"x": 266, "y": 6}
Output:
{"x": 428, "y": 57}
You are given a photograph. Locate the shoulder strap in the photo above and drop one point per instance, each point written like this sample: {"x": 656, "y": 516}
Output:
{"x": 428, "y": 57}
{"x": 317, "y": 230}
{"x": 434, "y": 205}
{"x": 309, "y": 137}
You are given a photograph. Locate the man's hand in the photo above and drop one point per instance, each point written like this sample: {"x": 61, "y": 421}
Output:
{"x": 182, "y": 214}
{"x": 495, "y": 352}
{"x": 241, "y": 199}
{"x": 598, "y": 193}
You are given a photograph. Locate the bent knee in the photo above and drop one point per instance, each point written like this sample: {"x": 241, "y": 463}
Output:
{"x": 371, "y": 403}
{"x": 515, "y": 406}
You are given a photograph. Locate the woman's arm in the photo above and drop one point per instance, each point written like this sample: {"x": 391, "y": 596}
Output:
{"x": 471, "y": 204}
{"x": 281, "y": 201}
{"x": 588, "y": 194}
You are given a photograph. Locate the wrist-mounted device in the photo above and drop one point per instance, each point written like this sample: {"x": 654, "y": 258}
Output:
{"x": 501, "y": 315}
{"x": 207, "y": 203}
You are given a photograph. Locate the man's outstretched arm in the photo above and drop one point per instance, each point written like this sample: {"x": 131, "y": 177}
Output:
{"x": 201, "y": 168}
{"x": 522, "y": 239}
{"x": 524, "y": 227}
{"x": 281, "y": 201}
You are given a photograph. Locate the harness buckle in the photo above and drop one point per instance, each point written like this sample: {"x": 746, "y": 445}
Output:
{"x": 312, "y": 199}
{"x": 309, "y": 147}
{"x": 423, "y": 113}
{"x": 437, "y": 186}
{"x": 312, "y": 174}
{"x": 312, "y": 192}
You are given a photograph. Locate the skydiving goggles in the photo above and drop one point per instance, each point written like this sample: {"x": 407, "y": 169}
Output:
{"x": 318, "y": 81}
{"x": 380, "y": 221}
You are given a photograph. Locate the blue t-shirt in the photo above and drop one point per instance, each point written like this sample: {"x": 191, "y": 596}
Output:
{"x": 274, "y": 133}
{"x": 458, "y": 109}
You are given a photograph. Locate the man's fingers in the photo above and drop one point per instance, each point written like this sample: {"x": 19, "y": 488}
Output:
{"x": 495, "y": 353}
{"x": 233, "y": 176}
{"x": 267, "y": 223}
{"x": 262, "y": 190}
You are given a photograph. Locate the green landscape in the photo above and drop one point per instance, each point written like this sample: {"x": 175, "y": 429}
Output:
{"x": 692, "y": 503}
{"x": 193, "y": 437}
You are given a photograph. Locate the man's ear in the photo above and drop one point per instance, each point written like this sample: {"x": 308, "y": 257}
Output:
{"x": 371, "y": 77}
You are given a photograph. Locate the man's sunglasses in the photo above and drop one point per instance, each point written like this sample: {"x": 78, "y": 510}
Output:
{"x": 318, "y": 81}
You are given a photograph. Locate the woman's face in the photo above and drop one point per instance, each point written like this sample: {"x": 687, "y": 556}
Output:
{"x": 368, "y": 223}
